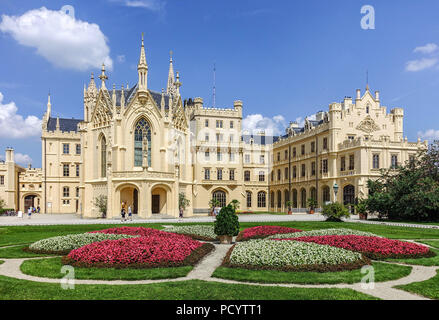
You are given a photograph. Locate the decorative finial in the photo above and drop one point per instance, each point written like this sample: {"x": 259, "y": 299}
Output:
{"x": 170, "y": 54}
{"x": 103, "y": 76}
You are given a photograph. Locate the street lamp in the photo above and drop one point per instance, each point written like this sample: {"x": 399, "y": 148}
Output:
{"x": 335, "y": 187}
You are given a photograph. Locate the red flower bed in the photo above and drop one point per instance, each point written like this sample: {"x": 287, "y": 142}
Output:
{"x": 146, "y": 251}
{"x": 263, "y": 231}
{"x": 133, "y": 231}
{"x": 372, "y": 247}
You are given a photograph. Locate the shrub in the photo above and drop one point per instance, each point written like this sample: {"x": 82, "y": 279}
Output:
{"x": 335, "y": 211}
{"x": 292, "y": 256}
{"x": 372, "y": 247}
{"x": 263, "y": 231}
{"x": 227, "y": 222}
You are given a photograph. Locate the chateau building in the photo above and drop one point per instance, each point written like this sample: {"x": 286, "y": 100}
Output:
{"x": 143, "y": 148}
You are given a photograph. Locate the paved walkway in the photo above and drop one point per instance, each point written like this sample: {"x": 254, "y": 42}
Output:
{"x": 205, "y": 269}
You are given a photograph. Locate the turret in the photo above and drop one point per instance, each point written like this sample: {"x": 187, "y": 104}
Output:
{"x": 198, "y": 103}
{"x": 10, "y": 155}
{"x": 237, "y": 105}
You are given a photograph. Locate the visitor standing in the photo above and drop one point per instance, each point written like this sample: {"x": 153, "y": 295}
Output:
{"x": 130, "y": 213}
{"x": 29, "y": 212}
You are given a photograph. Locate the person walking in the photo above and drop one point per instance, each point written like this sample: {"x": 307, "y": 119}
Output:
{"x": 29, "y": 212}
{"x": 130, "y": 213}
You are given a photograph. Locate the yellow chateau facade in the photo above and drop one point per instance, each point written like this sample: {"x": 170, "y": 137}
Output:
{"x": 144, "y": 148}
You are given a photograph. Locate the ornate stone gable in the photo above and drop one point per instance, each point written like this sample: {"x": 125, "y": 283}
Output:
{"x": 179, "y": 119}
{"x": 368, "y": 125}
{"x": 143, "y": 104}
{"x": 102, "y": 113}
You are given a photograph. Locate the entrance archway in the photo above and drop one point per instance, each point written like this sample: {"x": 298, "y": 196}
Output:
{"x": 129, "y": 197}
{"x": 349, "y": 195}
{"x": 159, "y": 200}
{"x": 31, "y": 200}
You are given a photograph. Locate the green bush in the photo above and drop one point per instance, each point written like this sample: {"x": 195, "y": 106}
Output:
{"x": 335, "y": 211}
{"x": 227, "y": 222}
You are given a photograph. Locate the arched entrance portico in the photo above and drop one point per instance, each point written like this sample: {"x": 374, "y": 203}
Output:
{"x": 161, "y": 202}
{"x": 30, "y": 200}
{"x": 127, "y": 195}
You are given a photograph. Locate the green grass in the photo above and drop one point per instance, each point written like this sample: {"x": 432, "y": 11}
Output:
{"x": 14, "y": 289}
{"x": 17, "y": 252}
{"x": 405, "y": 221}
{"x": 51, "y": 268}
{"x": 433, "y": 243}
{"x": 428, "y": 288}
{"x": 383, "y": 272}
{"x": 428, "y": 262}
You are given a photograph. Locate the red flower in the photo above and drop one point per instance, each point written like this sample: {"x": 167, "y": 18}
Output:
{"x": 264, "y": 231}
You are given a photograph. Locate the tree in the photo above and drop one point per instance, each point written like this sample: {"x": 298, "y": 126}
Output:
{"x": 183, "y": 203}
{"x": 101, "y": 203}
{"x": 235, "y": 204}
{"x": 335, "y": 211}
{"x": 2, "y": 204}
{"x": 408, "y": 192}
{"x": 227, "y": 222}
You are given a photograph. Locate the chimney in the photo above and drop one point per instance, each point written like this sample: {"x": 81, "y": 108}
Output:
{"x": 358, "y": 94}
{"x": 377, "y": 95}
{"x": 9, "y": 155}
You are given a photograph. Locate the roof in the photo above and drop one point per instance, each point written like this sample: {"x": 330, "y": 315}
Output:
{"x": 65, "y": 125}
{"x": 130, "y": 93}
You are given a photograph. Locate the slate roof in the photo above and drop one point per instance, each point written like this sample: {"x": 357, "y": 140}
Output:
{"x": 129, "y": 94}
{"x": 65, "y": 125}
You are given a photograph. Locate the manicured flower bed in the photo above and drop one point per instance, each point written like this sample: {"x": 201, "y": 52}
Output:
{"x": 322, "y": 232}
{"x": 263, "y": 231}
{"x": 196, "y": 232}
{"x": 372, "y": 247}
{"x": 292, "y": 256}
{"x": 64, "y": 244}
{"x": 158, "y": 250}
{"x": 134, "y": 231}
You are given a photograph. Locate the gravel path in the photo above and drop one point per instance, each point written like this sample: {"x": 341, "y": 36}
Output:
{"x": 205, "y": 269}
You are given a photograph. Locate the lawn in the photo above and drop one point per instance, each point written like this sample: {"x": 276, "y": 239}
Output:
{"x": 51, "y": 268}
{"x": 16, "y": 252}
{"x": 14, "y": 289}
{"x": 428, "y": 288}
{"x": 433, "y": 243}
{"x": 383, "y": 272}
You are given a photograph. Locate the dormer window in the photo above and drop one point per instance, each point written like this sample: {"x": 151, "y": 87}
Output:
{"x": 367, "y": 109}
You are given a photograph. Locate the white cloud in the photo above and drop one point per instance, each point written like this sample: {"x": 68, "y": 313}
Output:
{"x": 272, "y": 126}
{"x": 427, "y": 49}
{"x": 153, "y": 5}
{"x": 13, "y": 125}
{"x": 430, "y": 134}
{"x": 64, "y": 41}
{"x": 421, "y": 64}
{"x": 121, "y": 58}
{"x": 23, "y": 159}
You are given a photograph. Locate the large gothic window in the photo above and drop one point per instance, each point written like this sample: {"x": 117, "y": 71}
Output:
{"x": 220, "y": 196}
{"x": 142, "y": 129}
{"x": 103, "y": 157}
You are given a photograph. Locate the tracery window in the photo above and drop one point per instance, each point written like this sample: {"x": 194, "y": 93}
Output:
{"x": 141, "y": 130}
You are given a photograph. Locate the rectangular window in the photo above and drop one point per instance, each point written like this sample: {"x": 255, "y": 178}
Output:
{"x": 231, "y": 156}
{"x": 77, "y": 192}
{"x": 261, "y": 176}
{"x": 303, "y": 170}
{"x": 412, "y": 159}
{"x": 294, "y": 172}
{"x": 66, "y": 202}
{"x": 77, "y": 170}
{"x": 231, "y": 124}
{"x": 376, "y": 161}
{"x": 303, "y": 149}
{"x": 249, "y": 199}
{"x": 206, "y": 137}
{"x": 66, "y": 192}
{"x": 247, "y": 175}
{"x": 2, "y": 180}
{"x": 262, "y": 159}
{"x": 219, "y": 156}
{"x": 325, "y": 143}
{"x": 206, "y": 123}
{"x": 394, "y": 161}
{"x": 343, "y": 164}
{"x": 206, "y": 174}
{"x": 286, "y": 173}
{"x": 351, "y": 162}
{"x": 232, "y": 138}
{"x": 294, "y": 152}
{"x": 313, "y": 147}
{"x": 219, "y": 123}
{"x": 66, "y": 171}
{"x": 313, "y": 169}
{"x": 219, "y": 174}
{"x": 78, "y": 149}
{"x": 286, "y": 154}
{"x": 232, "y": 174}
{"x": 247, "y": 158}
{"x": 325, "y": 166}
{"x": 65, "y": 148}
{"x": 278, "y": 156}
{"x": 207, "y": 155}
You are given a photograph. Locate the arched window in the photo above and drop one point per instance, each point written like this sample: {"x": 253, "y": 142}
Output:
{"x": 220, "y": 196}
{"x": 103, "y": 157}
{"x": 141, "y": 130}
{"x": 313, "y": 193}
{"x": 326, "y": 196}
{"x": 349, "y": 195}
{"x": 303, "y": 198}
{"x": 286, "y": 197}
{"x": 279, "y": 199}
{"x": 249, "y": 199}
{"x": 294, "y": 198}
{"x": 262, "y": 199}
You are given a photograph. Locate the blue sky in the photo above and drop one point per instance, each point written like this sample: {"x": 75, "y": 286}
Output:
{"x": 288, "y": 58}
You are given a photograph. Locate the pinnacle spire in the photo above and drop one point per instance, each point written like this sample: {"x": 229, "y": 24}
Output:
{"x": 142, "y": 69}
{"x": 92, "y": 84}
{"x": 103, "y": 76}
{"x": 49, "y": 107}
{"x": 171, "y": 78}
{"x": 142, "y": 60}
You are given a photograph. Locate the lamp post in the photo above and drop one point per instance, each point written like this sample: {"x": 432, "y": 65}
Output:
{"x": 335, "y": 187}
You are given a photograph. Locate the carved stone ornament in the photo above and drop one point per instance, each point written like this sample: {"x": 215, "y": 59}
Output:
{"x": 368, "y": 125}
